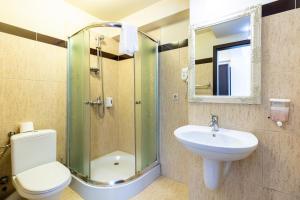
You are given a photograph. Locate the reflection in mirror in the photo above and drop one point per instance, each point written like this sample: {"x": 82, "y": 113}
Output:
{"x": 223, "y": 59}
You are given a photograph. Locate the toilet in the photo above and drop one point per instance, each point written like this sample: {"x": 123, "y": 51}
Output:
{"x": 36, "y": 173}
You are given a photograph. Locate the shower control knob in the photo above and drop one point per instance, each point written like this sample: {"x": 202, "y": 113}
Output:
{"x": 138, "y": 102}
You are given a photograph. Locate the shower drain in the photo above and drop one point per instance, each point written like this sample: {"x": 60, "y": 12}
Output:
{"x": 116, "y": 163}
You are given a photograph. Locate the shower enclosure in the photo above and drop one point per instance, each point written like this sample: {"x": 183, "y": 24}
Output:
{"x": 112, "y": 107}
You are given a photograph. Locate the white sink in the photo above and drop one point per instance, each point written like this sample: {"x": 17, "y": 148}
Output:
{"x": 218, "y": 149}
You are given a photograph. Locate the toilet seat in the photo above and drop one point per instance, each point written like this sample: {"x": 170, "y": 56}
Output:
{"x": 43, "y": 180}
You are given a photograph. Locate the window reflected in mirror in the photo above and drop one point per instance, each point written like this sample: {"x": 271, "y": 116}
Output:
{"x": 223, "y": 59}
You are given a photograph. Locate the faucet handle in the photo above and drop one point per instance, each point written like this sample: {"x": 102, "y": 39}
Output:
{"x": 214, "y": 117}
{"x": 214, "y": 122}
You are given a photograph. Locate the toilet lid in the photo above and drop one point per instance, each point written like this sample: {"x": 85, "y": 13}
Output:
{"x": 43, "y": 178}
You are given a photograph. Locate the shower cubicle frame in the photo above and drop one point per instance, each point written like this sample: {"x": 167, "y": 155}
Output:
{"x": 157, "y": 161}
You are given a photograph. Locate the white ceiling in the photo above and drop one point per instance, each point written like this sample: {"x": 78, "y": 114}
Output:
{"x": 111, "y": 10}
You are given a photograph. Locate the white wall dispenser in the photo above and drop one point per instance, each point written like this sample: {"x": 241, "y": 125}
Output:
{"x": 184, "y": 74}
{"x": 279, "y": 111}
{"x": 108, "y": 102}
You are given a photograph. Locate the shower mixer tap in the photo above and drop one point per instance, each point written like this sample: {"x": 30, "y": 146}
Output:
{"x": 98, "y": 101}
{"x": 98, "y": 70}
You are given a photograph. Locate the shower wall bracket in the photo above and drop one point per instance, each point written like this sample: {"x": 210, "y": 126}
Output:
{"x": 94, "y": 70}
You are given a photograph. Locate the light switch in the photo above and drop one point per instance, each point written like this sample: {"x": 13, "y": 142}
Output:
{"x": 184, "y": 74}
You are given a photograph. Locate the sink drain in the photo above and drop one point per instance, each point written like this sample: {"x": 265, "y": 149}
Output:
{"x": 116, "y": 163}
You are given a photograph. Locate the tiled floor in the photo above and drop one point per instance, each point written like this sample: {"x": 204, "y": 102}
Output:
{"x": 70, "y": 194}
{"x": 163, "y": 189}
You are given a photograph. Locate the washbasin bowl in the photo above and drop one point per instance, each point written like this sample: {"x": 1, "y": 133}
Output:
{"x": 217, "y": 148}
{"x": 223, "y": 145}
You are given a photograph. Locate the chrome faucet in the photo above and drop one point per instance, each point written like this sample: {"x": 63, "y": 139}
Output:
{"x": 214, "y": 122}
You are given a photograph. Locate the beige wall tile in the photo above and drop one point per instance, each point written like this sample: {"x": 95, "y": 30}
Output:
{"x": 126, "y": 106}
{"x": 5, "y": 159}
{"x": 281, "y": 160}
{"x": 104, "y": 131}
{"x": 36, "y": 101}
{"x": 16, "y": 59}
{"x": 280, "y": 48}
{"x": 280, "y": 63}
{"x": 235, "y": 186}
{"x": 173, "y": 113}
{"x": 51, "y": 62}
{"x": 270, "y": 194}
{"x": 116, "y": 130}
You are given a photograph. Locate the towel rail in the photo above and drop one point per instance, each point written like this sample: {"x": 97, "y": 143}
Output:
{"x": 206, "y": 86}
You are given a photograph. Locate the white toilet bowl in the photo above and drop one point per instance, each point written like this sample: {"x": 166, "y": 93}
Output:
{"x": 36, "y": 174}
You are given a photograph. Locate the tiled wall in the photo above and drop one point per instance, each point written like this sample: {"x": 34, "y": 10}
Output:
{"x": 272, "y": 172}
{"x": 104, "y": 131}
{"x": 126, "y": 132}
{"x": 115, "y": 131}
{"x": 31, "y": 90}
{"x": 173, "y": 113}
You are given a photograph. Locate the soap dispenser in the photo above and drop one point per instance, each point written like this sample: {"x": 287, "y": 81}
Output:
{"x": 279, "y": 111}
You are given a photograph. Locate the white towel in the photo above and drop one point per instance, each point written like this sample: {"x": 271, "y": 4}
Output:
{"x": 128, "y": 39}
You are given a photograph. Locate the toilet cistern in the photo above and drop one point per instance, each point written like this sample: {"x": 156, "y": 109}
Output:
{"x": 36, "y": 174}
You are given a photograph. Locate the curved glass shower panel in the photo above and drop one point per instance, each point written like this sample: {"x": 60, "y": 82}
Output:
{"x": 122, "y": 143}
{"x": 146, "y": 109}
{"x": 112, "y": 135}
{"x": 78, "y": 126}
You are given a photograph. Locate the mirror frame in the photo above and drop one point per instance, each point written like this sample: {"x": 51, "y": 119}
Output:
{"x": 255, "y": 23}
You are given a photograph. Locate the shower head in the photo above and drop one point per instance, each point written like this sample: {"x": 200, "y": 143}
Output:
{"x": 99, "y": 40}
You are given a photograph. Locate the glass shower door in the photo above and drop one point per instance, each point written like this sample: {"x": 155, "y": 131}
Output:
{"x": 78, "y": 125}
{"x": 146, "y": 105}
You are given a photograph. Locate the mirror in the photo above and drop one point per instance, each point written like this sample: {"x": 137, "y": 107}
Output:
{"x": 225, "y": 59}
